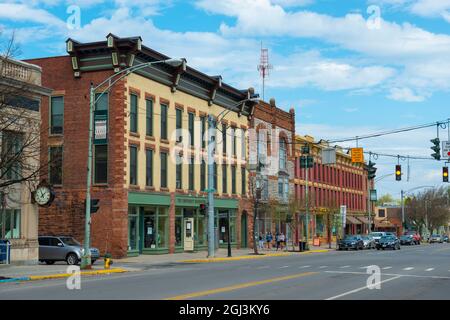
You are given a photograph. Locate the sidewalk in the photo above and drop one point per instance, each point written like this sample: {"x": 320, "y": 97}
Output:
{"x": 12, "y": 273}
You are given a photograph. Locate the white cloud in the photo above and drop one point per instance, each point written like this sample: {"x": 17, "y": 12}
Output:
{"x": 430, "y": 8}
{"x": 405, "y": 94}
{"x": 21, "y": 12}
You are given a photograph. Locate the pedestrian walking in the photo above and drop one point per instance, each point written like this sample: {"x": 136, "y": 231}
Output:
{"x": 261, "y": 242}
{"x": 269, "y": 239}
{"x": 282, "y": 241}
{"x": 277, "y": 239}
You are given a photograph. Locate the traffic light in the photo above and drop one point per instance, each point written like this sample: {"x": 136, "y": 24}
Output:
{"x": 398, "y": 172}
{"x": 371, "y": 170}
{"x": 202, "y": 209}
{"x": 306, "y": 162}
{"x": 436, "y": 148}
{"x": 94, "y": 205}
{"x": 445, "y": 174}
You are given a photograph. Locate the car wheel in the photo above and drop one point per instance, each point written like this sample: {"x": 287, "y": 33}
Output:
{"x": 49, "y": 262}
{"x": 72, "y": 259}
{"x": 394, "y": 248}
{"x": 378, "y": 248}
{"x": 382, "y": 248}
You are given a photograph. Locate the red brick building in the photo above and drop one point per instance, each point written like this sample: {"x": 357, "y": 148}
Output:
{"x": 148, "y": 203}
{"x": 330, "y": 186}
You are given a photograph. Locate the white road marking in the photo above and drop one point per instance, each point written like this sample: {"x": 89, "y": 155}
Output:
{"x": 359, "y": 289}
{"x": 408, "y": 268}
{"x": 429, "y": 269}
{"x": 284, "y": 267}
{"x": 386, "y": 268}
{"x": 263, "y": 267}
{"x": 304, "y": 267}
{"x": 392, "y": 274}
{"x": 321, "y": 267}
{"x": 345, "y": 267}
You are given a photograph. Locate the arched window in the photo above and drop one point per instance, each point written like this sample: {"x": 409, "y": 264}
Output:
{"x": 261, "y": 146}
{"x": 282, "y": 163}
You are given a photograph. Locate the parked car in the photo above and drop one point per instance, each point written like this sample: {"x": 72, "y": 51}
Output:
{"x": 407, "y": 239}
{"x": 63, "y": 248}
{"x": 377, "y": 235}
{"x": 445, "y": 238}
{"x": 436, "y": 238}
{"x": 351, "y": 242}
{"x": 369, "y": 242}
{"x": 386, "y": 242}
{"x": 391, "y": 234}
{"x": 415, "y": 235}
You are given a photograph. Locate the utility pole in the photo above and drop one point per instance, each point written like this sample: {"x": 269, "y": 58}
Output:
{"x": 86, "y": 257}
{"x": 368, "y": 205}
{"x": 307, "y": 203}
{"x": 228, "y": 231}
{"x": 402, "y": 193}
{"x": 211, "y": 151}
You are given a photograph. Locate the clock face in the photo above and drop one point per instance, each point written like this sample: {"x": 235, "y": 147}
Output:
{"x": 42, "y": 195}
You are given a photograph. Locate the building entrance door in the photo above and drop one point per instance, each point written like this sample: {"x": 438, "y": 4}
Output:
{"x": 244, "y": 230}
{"x": 189, "y": 234}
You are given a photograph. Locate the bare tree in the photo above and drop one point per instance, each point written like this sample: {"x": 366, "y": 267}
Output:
{"x": 429, "y": 210}
{"x": 20, "y": 127}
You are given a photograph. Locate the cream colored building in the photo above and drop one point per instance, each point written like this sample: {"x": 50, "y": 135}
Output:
{"x": 20, "y": 85}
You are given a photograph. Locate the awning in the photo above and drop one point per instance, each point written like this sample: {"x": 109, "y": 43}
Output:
{"x": 352, "y": 220}
{"x": 384, "y": 224}
{"x": 364, "y": 220}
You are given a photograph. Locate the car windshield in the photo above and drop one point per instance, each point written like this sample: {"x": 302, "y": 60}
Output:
{"x": 351, "y": 238}
{"x": 387, "y": 238}
{"x": 376, "y": 234}
{"x": 70, "y": 241}
{"x": 365, "y": 237}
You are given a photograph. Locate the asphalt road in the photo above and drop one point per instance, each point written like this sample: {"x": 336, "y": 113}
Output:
{"x": 415, "y": 272}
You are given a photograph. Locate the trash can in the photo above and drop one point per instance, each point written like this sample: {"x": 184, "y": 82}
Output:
{"x": 5, "y": 251}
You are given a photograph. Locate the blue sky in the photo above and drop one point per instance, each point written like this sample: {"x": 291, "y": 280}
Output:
{"x": 346, "y": 69}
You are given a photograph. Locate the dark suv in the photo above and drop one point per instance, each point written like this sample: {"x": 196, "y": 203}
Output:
{"x": 63, "y": 248}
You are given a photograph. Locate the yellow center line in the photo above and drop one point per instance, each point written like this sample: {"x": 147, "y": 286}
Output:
{"x": 238, "y": 286}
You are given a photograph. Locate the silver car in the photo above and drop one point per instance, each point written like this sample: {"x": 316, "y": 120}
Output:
{"x": 436, "y": 238}
{"x": 369, "y": 242}
{"x": 377, "y": 236}
{"x": 63, "y": 248}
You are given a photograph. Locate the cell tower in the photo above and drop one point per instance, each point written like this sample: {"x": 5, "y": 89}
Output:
{"x": 264, "y": 67}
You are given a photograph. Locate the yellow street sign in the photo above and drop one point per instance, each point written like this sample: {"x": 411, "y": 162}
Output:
{"x": 357, "y": 155}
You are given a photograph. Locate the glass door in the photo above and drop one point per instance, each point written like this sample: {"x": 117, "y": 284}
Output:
{"x": 149, "y": 229}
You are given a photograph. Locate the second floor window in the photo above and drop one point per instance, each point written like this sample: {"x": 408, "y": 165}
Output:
{"x": 282, "y": 154}
{"x": 163, "y": 170}
{"x": 101, "y": 164}
{"x": 203, "y": 131}
{"x": 233, "y": 141}
{"x": 243, "y": 145}
{"x": 244, "y": 181}
{"x": 191, "y": 174}
{"x": 163, "y": 121}
{"x": 203, "y": 176}
{"x": 149, "y": 168}
{"x": 133, "y": 113}
{"x": 224, "y": 179}
{"x": 133, "y": 165}
{"x": 56, "y": 115}
{"x": 13, "y": 156}
{"x": 233, "y": 179}
{"x": 55, "y": 165}
{"x": 149, "y": 117}
{"x": 179, "y": 176}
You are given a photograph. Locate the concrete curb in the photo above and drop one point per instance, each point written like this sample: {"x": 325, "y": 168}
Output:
{"x": 63, "y": 275}
{"x": 248, "y": 257}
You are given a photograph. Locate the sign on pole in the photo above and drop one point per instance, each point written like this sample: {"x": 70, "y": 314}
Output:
{"x": 373, "y": 195}
{"x": 344, "y": 214}
{"x": 328, "y": 156}
{"x": 446, "y": 149}
{"x": 357, "y": 155}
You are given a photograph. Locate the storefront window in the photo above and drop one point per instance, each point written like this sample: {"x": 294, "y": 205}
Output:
{"x": 133, "y": 229}
{"x": 163, "y": 228}
{"x": 223, "y": 226}
{"x": 200, "y": 234}
{"x": 178, "y": 231}
{"x": 10, "y": 224}
{"x": 150, "y": 229}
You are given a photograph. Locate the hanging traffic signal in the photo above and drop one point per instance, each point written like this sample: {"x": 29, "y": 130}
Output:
{"x": 445, "y": 174}
{"x": 436, "y": 148}
{"x": 398, "y": 172}
{"x": 202, "y": 209}
{"x": 371, "y": 170}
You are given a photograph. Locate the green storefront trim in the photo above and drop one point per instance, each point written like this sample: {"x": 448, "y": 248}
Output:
{"x": 193, "y": 201}
{"x": 142, "y": 198}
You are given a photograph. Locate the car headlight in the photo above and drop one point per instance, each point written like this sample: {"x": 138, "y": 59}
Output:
{"x": 353, "y": 243}
{"x": 82, "y": 250}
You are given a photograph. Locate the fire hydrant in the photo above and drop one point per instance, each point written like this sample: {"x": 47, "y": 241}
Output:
{"x": 107, "y": 261}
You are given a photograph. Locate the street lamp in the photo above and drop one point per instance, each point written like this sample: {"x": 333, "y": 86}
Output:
{"x": 111, "y": 81}
{"x": 210, "y": 190}
{"x": 403, "y": 193}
